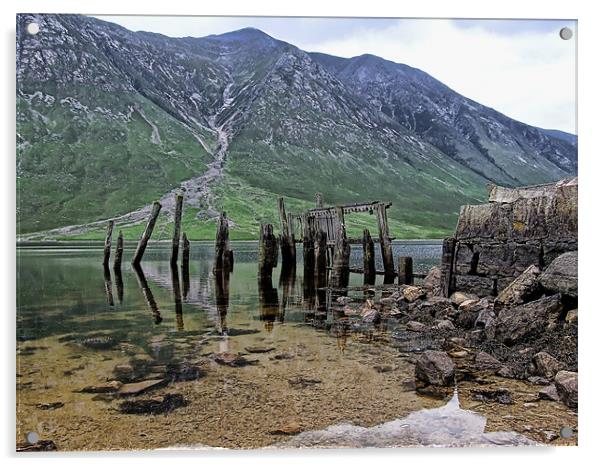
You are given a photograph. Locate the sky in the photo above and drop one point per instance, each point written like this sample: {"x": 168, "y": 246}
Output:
{"x": 521, "y": 68}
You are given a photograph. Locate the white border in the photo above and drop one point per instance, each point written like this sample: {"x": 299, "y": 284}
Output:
{"x": 590, "y": 105}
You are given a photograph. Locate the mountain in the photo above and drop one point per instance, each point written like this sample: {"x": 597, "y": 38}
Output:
{"x": 109, "y": 120}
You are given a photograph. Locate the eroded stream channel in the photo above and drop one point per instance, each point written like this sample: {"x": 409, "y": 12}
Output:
{"x": 233, "y": 365}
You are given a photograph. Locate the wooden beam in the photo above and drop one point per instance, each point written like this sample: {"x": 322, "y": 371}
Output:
{"x": 385, "y": 241}
{"x": 148, "y": 231}
{"x": 369, "y": 265}
{"x": 108, "y": 237}
{"x": 118, "y": 252}
{"x": 175, "y": 242}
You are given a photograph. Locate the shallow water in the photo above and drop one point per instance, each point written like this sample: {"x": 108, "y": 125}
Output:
{"x": 75, "y": 324}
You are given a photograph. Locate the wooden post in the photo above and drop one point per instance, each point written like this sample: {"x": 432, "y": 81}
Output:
{"x": 185, "y": 265}
{"x": 320, "y": 259}
{"x": 223, "y": 255}
{"x": 319, "y": 200}
{"x": 369, "y": 267}
{"x": 107, "y": 252}
{"x": 148, "y": 231}
{"x": 287, "y": 240}
{"x": 118, "y": 252}
{"x": 447, "y": 266}
{"x": 175, "y": 242}
{"x": 405, "y": 270}
{"x": 342, "y": 251}
{"x": 386, "y": 247}
{"x": 268, "y": 250}
{"x": 309, "y": 258}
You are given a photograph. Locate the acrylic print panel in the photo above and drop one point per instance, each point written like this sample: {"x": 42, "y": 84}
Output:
{"x": 295, "y": 232}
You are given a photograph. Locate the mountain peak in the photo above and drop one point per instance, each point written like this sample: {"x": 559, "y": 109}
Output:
{"x": 248, "y": 33}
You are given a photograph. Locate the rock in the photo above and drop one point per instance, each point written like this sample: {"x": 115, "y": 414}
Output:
{"x": 549, "y": 435}
{"x": 235, "y": 332}
{"x": 432, "y": 281}
{"x": 349, "y": 311}
{"x": 124, "y": 372}
{"x": 537, "y": 380}
{"x": 383, "y": 368}
{"x": 545, "y": 365}
{"x": 413, "y": 293}
{"x": 468, "y": 305}
{"x": 561, "y": 275}
{"x": 232, "y": 360}
{"x": 485, "y": 362}
{"x": 290, "y": 428}
{"x": 458, "y": 354}
{"x": 566, "y": 386}
{"x": 459, "y": 297}
{"x": 259, "y": 349}
{"x": 110, "y": 387}
{"x": 549, "y": 393}
{"x": 284, "y": 355}
{"x": 183, "y": 371}
{"x": 500, "y": 395}
{"x": 370, "y": 316}
{"x": 104, "y": 342}
{"x": 303, "y": 382}
{"x": 467, "y": 319}
{"x": 168, "y": 403}
{"x": 571, "y": 317}
{"x": 523, "y": 289}
{"x": 414, "y": 326}
{"x": 50, "y": 406}
{"x": 485, "y": 319}
{"x": 529, "y": 320}
{"x": 435, "y": 368}
{"x": 444, "y": 325}
{"x": 133, "y": 389}
{"x": 506, "y": 372}
{"x": 40, "y": 445}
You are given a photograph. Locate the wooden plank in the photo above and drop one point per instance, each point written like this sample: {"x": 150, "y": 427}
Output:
{"x": 175, "y": 241}
{"x": 148, "y": 231}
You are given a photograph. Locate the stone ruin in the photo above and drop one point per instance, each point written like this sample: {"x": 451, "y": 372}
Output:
{"x": 495, "y": 242}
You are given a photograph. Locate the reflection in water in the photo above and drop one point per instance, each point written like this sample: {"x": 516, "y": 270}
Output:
{"x": 148, "y": 294}
{"x": 119, "y": 284}
{"x": 185, "y": 279}
{"x": 222, "y": 298}
{"x": 269, "y": 309}
{"x": 177, "y": 296}
{"x": 449, "y": 426}
{"x": 287, "y": 285}
{"x": 108, "y": 285}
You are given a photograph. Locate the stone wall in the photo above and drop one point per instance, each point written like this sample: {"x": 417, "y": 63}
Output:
{"x": 495, "y": 242}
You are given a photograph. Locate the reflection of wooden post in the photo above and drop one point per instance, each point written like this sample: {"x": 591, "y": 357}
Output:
{"x": 342, "y": 252}
{"x": 385, "y": 241}
{"x": 447, "y": 265}
{"x": 119, "y": 284}
{"x": 320, "y": 261}
{"x": 268, "y": 250}
{"x": 309, "y": 259}
{"x": 108, "y": 285}
{"x": 177, "y": 297}
{"x": 268, "y": 301}
{"x": 148, "y": 231}
{"x": 222, "y": 299}
{"x": 175, "y": 242}
{"x": 107, "y": 251}
{"x": 148, "y": 294}
{"x": 287, "y": 240}
{"x": 118, "y": 252}
{"x": 369, "y": 267}
{"x": 405, "y": 271}
{"x": 185, "y": 265}
{"x": 223, "y": 255}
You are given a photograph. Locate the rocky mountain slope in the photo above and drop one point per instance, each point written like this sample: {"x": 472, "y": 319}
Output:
{"x": 109, "y": 120}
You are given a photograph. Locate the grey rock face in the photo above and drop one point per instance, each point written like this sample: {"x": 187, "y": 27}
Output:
{"x": 561, "y": 275}
{"x": 435, "y": 368}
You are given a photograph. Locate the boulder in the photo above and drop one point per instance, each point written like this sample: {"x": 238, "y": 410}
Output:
{"x": 432, "y": 281}
{"x": 163, "y": 405}
{"x": 566, "y": 385}
{"x": 561, "y": 275}
{"x": 370, "y": 316}
{"x": 523, "y": 289}
{"x": 435, "y": 368}
{"x": 571, "y": 317}
{"x": 500, "y": 395}
{"x": 414, "y": 326}
{"x": 444, "y": 325}
{"x": 549, "y": 393}
{"x": 459, "y": 297}
{"x": 485, "y": 362}
{"x": 485, "y": 318}
{"x": 413, "y": 293}
{"x": 468, "y": 305}
{"x": 545, "y": 365}
{"x": 516, "y": 324}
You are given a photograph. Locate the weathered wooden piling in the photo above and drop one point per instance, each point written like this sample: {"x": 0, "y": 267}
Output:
{"x": 320, "y": 247}
{"x": 369, "y": 265}
{"x": 342, "y": 251}
{"x": 148, "y": 231}
{"x": 287, "y": 239}
{"x": 448, "y": 250}
{"x": 319, "y": 200}
{"x": 386, "y": 246}
{"x": 175, "y": 242}
{"x": 108, "y": 237}
{"x": 309, "y": 259}
{"x": 405, "y": 270}
{"x": 268, "y": 250}
{"x": 118, "y": 252}
{"x": 223, "y": 255}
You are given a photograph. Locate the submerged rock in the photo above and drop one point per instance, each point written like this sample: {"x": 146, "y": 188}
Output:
{"x": 109, "y": 387}
{"x": 566, "y": 385}
{"x": 435, "y": 368}
{"x": 183, "y": 371}
{"x": 303, "y": 382}
{"x": 168, "y": 403}
{"x": 50, "y": 406}
{"x": 104, "y": 342}
{"x": 259, "y": 349}
{"x": 501, "y": 395}
{"x": 232, "y": 360}
{"x": 40, "y": 445}
{"x": 132, "y": 389}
